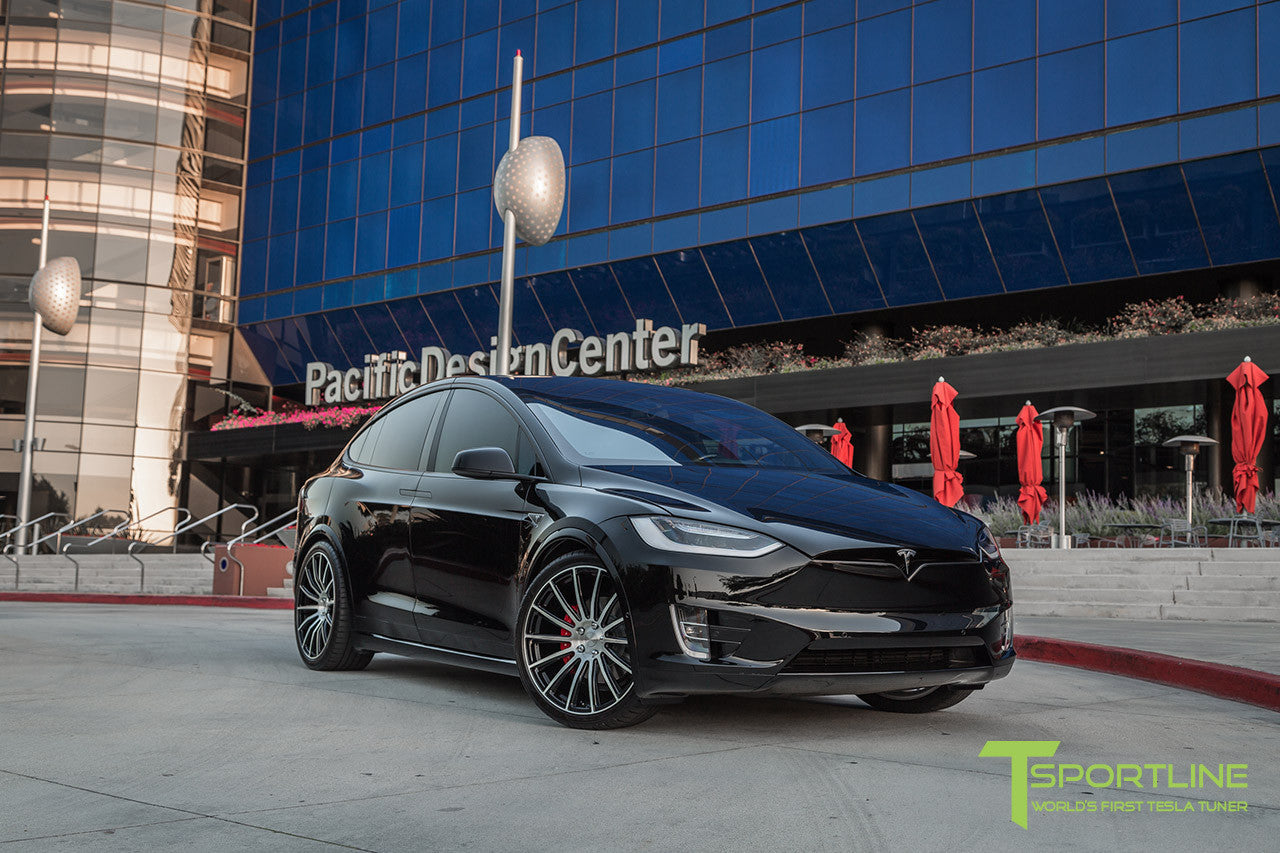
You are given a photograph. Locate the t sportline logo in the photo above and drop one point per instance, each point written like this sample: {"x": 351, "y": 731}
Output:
{"x": 1149, "y": 777}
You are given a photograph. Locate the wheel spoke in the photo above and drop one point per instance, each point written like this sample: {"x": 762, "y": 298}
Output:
{"x": 547, "y": 638}
{"x": 608, "y": 681}
{"x": 608, "y": 605}
{"x": 568, "y": 611}
{"x": 556, "y": 678}
{"x": 591, "y": 685}
{"x": 615, "y": 623}
{"x": 555, "y": 620}
{"x": 617, "y": 661}
{"x": 595, "y": 591}
{"x": 616, "y": 640}
{"x": 573, "y": 686}
{"x": 306, "y": 607}
{"x": 556, "y": 655}
{"x": 577, "y": 596}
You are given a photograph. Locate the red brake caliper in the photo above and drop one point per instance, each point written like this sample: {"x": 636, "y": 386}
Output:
{"x": 565, "y": 632}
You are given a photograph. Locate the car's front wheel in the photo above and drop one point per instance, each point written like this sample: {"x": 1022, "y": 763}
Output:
{"x": 917, "y": 700}
{"x": 574, "y": 646}
{"x": 322, "y": 620}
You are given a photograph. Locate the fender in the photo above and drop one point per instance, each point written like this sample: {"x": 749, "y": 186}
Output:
{"x": 558, "y": 533}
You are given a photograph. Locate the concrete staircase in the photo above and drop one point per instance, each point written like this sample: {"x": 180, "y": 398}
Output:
{"x": 158, "y": 574}
{"x": 1221, "y": 584}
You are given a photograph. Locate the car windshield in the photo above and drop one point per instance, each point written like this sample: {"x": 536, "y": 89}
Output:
{"x": 609, "y": 422}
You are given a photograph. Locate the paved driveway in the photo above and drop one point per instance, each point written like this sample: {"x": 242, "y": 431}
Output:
{"x": 143, "y": 728}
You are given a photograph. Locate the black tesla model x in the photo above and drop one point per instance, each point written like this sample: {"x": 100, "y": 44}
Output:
{"x": 620, "y": 545}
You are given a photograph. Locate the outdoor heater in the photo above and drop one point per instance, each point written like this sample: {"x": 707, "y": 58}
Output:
{"x": 1190, "y": 447}
{"x": 816, "y": 432}
{"x": 1063, "y": 419}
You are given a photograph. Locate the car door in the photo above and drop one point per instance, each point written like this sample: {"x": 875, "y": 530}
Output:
{"x": 378, "y": 502}
{"x": 467, "y": 535}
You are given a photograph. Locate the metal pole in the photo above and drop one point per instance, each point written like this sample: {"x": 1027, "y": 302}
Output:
{"x": 507, "y": 294}
{"x": 33, "y": 383}
{"x": 1062, "y": 487}
{"x": 1191, "y": 467}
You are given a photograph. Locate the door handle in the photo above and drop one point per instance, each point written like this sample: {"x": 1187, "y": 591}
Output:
{"x": 415, "y": 493}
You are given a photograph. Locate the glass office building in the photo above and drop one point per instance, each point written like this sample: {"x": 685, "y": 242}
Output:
{"x": 130, "y": 116}
{"x": 771, "y": 169}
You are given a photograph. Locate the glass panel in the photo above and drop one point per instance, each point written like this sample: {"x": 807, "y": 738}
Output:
{"x": 894, "y": 248}
{"x": 724, "y": 167}
{"x": 1087, "y": 228}
{"x": 560, "y": 302}
{"x": 110, "y": 396}
{"x": 734, "y": 267}
{"x": 1219, "y": 60}
{"x": 775, "y": 83}
{"x": 1004, "y": 30}
{"x": 791, "y": 276}
{"x": 1125, "y": 18}
{"x": 592, "y": 118}
{"x": 882, "y": 62}
{"x": 940, "y": 127}
{"x": 679, "y": 104}
{"x": 1234, "y": 207}
{"x": 447, "y": 318}
{"x": 1021, "y": 241}
{"x": 646, "y": 291}
{"x": 588, "y": 202}
{"x": 1142, "y": 78}
{"x": 62, "y": 393}
{"x": 729, "y": 80}
{"x": 677, "y": 177}
{"x": 694, "y": 291}
{"x": 829, "y": 67}
{"x": 826, "y": 144}
{"x": 958, "y": 249}
{"x": 1159, "y": 220}
{"x": 942, "y": 38}
{"x": 371, "y": 243}
{"x": 631, "y": 196}
{"x": 1004, "y": 111}
{"x": 605, "y": 304}
{"x": 775, "y": 153}
{"x": 845, "y": 272}
{"x": 1070, "y": 23}
{"x": 889, "y": 147}
{"x": 1071, "y": 92}
{"x": 474, "y": 419}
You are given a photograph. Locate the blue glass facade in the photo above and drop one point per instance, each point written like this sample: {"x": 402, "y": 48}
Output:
{"x": 740, "y": 163}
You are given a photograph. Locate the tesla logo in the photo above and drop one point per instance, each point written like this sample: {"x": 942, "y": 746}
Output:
{"x": 906, "y": 554}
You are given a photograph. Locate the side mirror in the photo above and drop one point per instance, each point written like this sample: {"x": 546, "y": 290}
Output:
{"x": 485, "y": 463}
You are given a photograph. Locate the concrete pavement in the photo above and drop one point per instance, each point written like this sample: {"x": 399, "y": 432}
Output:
{"x": 132, "y": 728}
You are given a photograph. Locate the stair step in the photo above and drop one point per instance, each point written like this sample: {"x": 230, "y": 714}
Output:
{"x": 1265, "y": 568}
{"x": 1086, "y": 611}
{"x": 1091, "y": 581}
{"x": 1228, "y": 598}
{"x": 1211, "y": 582}
{"x": 1220, "y": 614}
{"x": 1094, "y": 596}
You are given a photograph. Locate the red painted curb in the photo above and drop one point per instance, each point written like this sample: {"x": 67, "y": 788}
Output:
{"x": 1216, "y": 679}
{"x": 254, "y": 602}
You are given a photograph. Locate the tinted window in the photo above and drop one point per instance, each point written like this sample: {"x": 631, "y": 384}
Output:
{"x": 615, "y": 423}
{"x": 362, "y": 446}
{"x": 474, "y": 419}
{"x": 403, "y": 432}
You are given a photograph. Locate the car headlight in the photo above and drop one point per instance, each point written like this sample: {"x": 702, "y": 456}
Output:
{"x": 700, "y": 537}
{"x": 987, "y": 544}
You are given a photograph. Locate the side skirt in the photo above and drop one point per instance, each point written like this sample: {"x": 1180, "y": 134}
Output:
{"x": 380, "y": 643}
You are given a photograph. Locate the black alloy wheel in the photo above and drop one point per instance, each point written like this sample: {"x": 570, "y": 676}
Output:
{"x": 917, "y": 700}
{"x": 322, "y": 613}
{"x": 574, "y": 646}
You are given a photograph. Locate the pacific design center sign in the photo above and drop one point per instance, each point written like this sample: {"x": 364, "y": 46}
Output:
{"x": 389, "y": 374}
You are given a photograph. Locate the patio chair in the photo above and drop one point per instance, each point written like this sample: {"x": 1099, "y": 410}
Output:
{"x": 1035, "y": 535}
{"x": 1245, "y": 530}
{"x": 1179, "y": 533}
{"x": 1088, "y": 540}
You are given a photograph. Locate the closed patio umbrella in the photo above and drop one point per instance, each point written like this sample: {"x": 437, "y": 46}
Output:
{"x": 944, "y": 445}
{"x": 842, "y": 444}
{"x": 1031, "y": 496}
{"x": 1248, "y": 431}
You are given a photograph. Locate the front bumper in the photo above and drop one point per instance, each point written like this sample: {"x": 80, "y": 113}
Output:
{"x": 787, "y": 624}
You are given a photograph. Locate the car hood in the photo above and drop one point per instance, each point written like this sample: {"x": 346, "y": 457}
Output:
{"x": 812, "y": 512}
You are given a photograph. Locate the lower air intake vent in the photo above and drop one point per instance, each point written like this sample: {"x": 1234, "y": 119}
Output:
{"x": 881, "y": 660}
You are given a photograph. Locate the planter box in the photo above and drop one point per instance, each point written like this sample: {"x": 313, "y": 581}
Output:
{"x": 264, "y": 566}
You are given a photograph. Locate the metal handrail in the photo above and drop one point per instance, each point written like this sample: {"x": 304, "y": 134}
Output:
{"x": 184, "y": 527}
{"x": 113, "y": 533}
{"x": 17, "y": 570}
{"x": 72, "y": 526}
{"x": 291, "y": 514}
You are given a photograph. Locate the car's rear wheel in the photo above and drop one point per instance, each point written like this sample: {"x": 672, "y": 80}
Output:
{"x": 917, "y": 700}
{"x": 575, "y": 648}
{"x": 322, "y": 621}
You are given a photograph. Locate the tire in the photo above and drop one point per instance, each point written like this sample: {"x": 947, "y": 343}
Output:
{"x": 322, "y": 620}
{"x": 573, "y": 646}
{"x": 920, "y": 700}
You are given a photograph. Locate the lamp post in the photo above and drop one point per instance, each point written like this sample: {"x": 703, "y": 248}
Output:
{"x": 1063, "y": 419}
{"x": 55, "y": 300}
{"x": 528, "y": 190}
{"x": 1190, "y": 447}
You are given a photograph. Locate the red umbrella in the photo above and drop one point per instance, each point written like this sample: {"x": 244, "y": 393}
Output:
{"x": 842, "y": 444}
{"x": 944, "y": 445}
{"x": 1031, "y": 496}
{"x": 1248, "y": 431}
